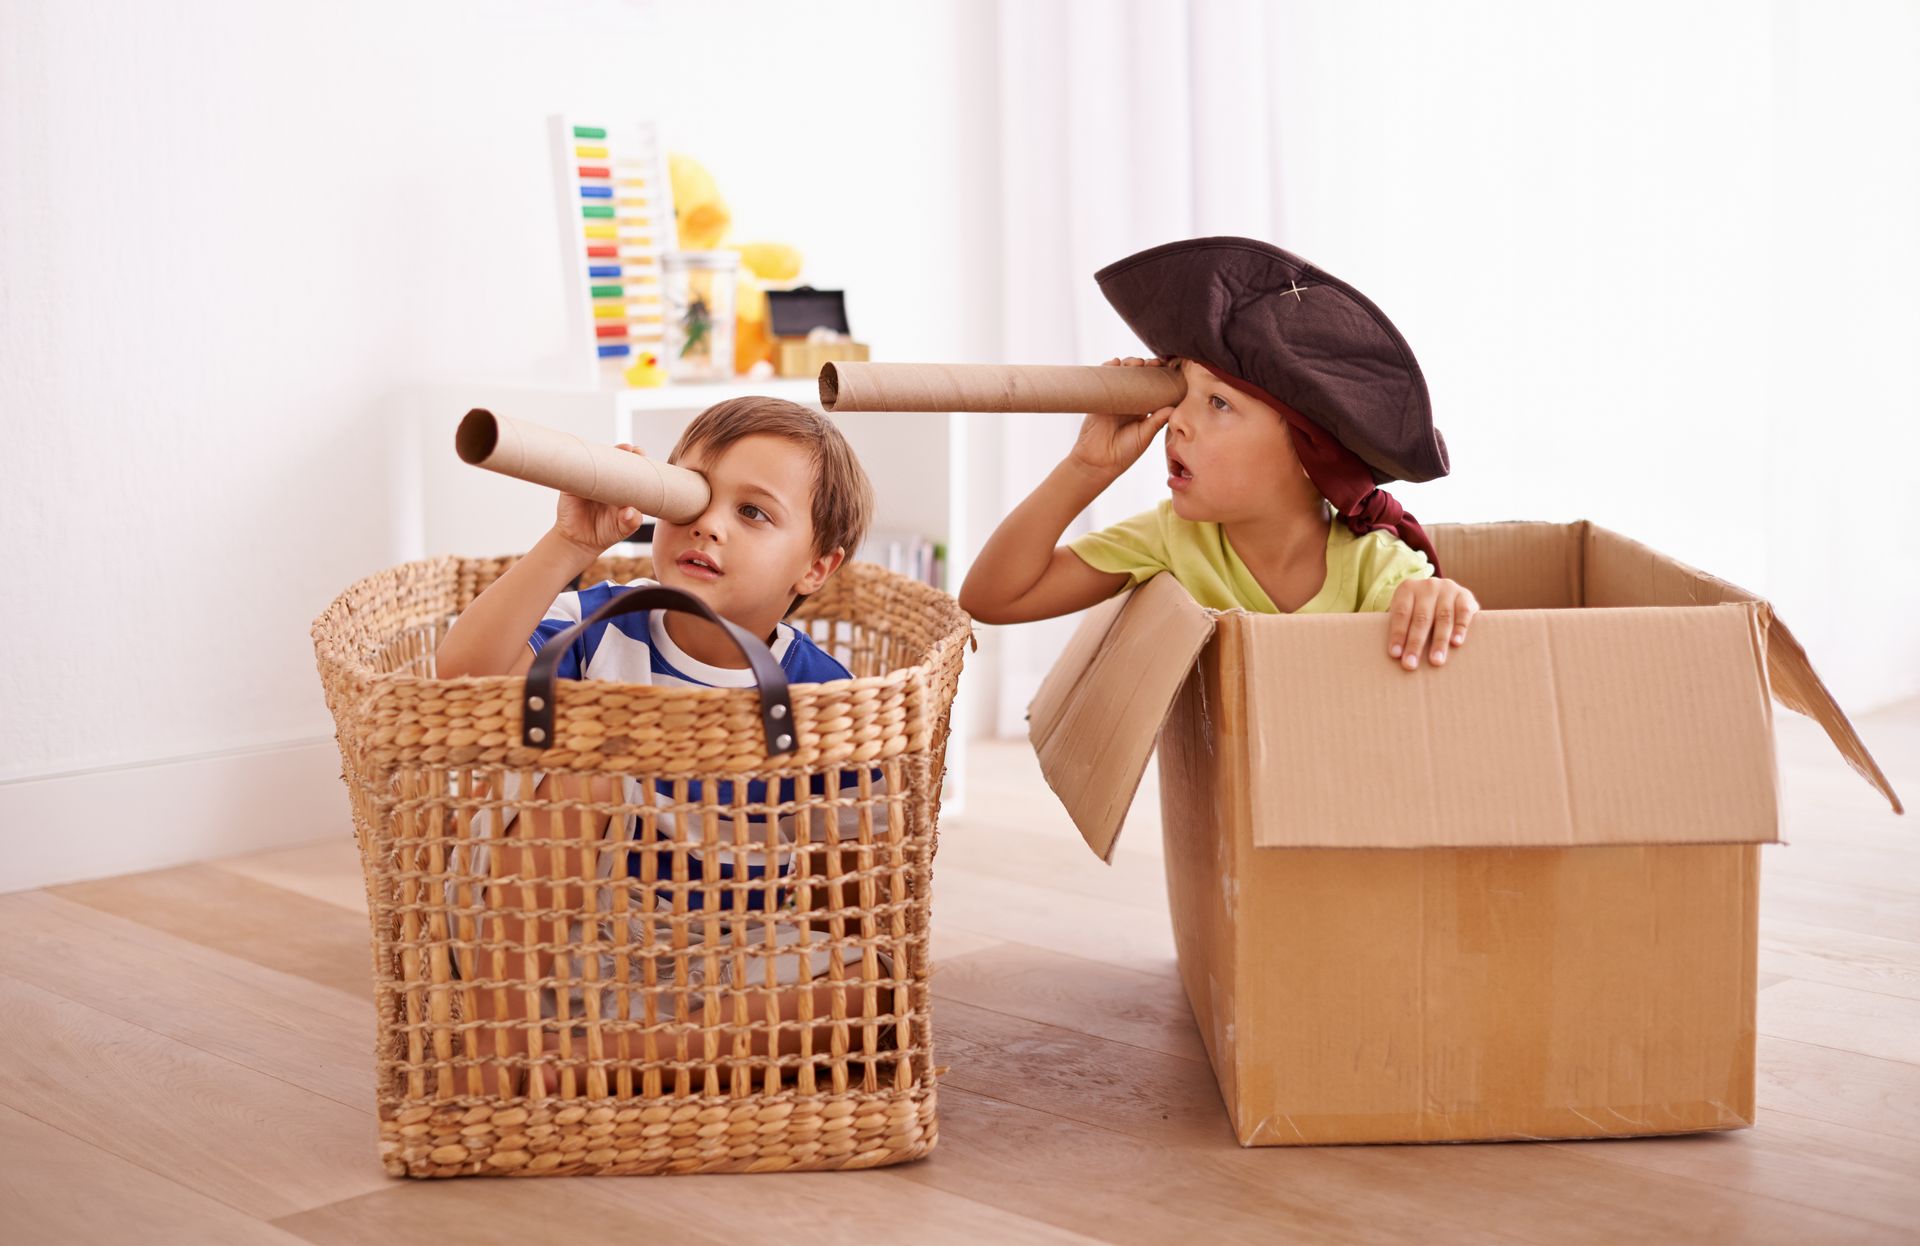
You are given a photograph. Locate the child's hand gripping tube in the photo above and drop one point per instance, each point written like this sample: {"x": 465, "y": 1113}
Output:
{"x": 776, "y": 703}
{"x": 547, "y": 456}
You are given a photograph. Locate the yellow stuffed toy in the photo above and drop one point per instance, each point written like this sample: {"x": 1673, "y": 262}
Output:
{"x": 698, "y": 210}
{"x": 703, "y": 222}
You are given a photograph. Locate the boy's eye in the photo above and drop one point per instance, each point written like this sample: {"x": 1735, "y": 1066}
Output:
{"x": 1219, "y": 403}
{"x": 750, "y": 511}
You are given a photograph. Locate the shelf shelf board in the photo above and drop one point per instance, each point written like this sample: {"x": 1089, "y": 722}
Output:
{"x": 699, "y": 396}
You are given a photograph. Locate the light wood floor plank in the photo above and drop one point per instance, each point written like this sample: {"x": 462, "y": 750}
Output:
{"x": 1124, "y": 1189}
{"x": 1540, "y": 1193}
{"x": 1147, "y": 1010}
{"x": 950, "y": 944}
{"x": 1811, "y": 1163}
{"x": 1851, "y": 850}
{"x": 820, "y": 1207}
{"x": 1546, "y": 1195}
{"x": 273, "y": 1023}
{"x": 1081, "y": 1077}
{"x": 1838, "y": 958}
{"x": 245, "y": 918}
{"x": 1857, "y": 908}
{"x": 1866, "y": 1022}
{"x": 856, "y": 1209}
{"x": 1838, "y": 1087}
{"x": 327, "y": 870}
{"x": 1060, "y": 858}
{"x": 1036, "y": 914}
{"x": 561, "y": 1209}
{"x": 56, "y": 1190}
{"x": 250, "y": 1141}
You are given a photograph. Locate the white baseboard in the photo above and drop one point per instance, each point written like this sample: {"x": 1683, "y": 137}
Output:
{"x": 124, "y": 819}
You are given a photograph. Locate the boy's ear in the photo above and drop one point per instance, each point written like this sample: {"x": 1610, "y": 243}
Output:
{"x": 819, "y": 571}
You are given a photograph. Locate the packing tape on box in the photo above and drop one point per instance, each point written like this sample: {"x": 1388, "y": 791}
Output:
{"x": 848, "y": 386}
{"x": 547, "y": 456}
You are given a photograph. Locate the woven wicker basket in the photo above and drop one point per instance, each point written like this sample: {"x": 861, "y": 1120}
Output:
{"x": 556, "y": 998}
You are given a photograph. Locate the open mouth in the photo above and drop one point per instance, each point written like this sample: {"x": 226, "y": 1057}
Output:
{"x": 1178, "y": 474}
{"x": 698, "y": 565}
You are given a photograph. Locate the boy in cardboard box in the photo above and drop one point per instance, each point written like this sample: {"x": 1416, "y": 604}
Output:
{"x": 1545, "y": 925}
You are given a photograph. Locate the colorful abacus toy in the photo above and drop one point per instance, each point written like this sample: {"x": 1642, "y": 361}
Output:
{"x": 616, "y": 217}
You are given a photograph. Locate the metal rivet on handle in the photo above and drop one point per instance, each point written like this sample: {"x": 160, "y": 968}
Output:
{"x": 537, "y": 734}
{"x": 784, "y": 743}
{"x": 536, "y": 703}
{"x": 778, "y": 712}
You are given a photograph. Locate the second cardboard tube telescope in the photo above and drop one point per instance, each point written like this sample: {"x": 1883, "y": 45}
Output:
{"x": 998, "y": 387}
{"x": 547, "y": 456}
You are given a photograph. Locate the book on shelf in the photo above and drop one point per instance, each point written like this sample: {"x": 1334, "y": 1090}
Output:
{"x": 906, "y": 553}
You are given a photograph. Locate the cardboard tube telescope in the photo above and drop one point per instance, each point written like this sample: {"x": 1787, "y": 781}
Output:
{"x": 997, "y": 387}
{"x": 547, "y": 456}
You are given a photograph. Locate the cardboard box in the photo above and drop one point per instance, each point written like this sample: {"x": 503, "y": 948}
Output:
{"x": 792, "y": 315}
{"x": 799, "y": 357}
{"x": 1513, "y": 898}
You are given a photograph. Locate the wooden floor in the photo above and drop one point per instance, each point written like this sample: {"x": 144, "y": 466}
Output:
{"x": 188, "y": 1057}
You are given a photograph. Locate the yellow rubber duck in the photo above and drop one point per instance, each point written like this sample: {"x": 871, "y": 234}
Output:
{"x": 645, "y": 372}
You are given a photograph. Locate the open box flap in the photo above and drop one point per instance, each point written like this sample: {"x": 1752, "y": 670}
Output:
{"x": 1620, "y": 571}
{"x": 1099, "y": 711}
{"x": 1797, "y": 687}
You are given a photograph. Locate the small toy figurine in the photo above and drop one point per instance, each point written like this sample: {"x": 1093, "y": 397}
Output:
{"x": 697, "y": 322}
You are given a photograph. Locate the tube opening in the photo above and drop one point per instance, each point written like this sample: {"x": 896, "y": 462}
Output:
{"x": 477, "y": 435}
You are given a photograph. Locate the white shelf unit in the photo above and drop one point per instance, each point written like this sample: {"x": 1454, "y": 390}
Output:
{"x": 917, "y": 463}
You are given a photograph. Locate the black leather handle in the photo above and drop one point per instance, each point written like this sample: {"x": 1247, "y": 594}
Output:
{"x": 776, "y": 705}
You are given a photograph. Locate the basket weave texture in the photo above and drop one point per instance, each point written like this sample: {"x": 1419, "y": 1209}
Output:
{"x": 650, "y": 947}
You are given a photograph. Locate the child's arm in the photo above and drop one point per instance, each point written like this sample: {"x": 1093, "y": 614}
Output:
{"x": 490, "y": 636}
{"x": 1020, "y": 575}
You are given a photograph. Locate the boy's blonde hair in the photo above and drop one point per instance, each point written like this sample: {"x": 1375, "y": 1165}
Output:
{"x": 842, "y": 494}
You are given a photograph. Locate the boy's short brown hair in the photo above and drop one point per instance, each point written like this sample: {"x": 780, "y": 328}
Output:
{"x": 842, "y": 494}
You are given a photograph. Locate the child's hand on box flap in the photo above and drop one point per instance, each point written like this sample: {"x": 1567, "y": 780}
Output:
{"x": 1432, "y": 608}
{"x": 593, "y": 526}
{"x": 1110, "y": 443}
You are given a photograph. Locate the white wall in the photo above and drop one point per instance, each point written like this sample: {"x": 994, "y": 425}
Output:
{"x": 1656, "y": 259}
{"x": 1843, "y": 330}
{"x": 234, "y": 233}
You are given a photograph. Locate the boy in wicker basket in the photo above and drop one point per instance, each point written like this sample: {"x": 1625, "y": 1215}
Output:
{"x": 789, "y": 503}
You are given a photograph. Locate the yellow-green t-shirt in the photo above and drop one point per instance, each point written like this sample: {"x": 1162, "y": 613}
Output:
{"x": 1362, "y": 571}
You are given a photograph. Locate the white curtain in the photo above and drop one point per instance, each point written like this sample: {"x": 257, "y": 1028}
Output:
{"x": 1656, "y": 261}
{"x": 1121, "y": 126}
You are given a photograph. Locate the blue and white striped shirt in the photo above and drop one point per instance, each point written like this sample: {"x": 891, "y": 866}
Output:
{"x": 637, "y": 649}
